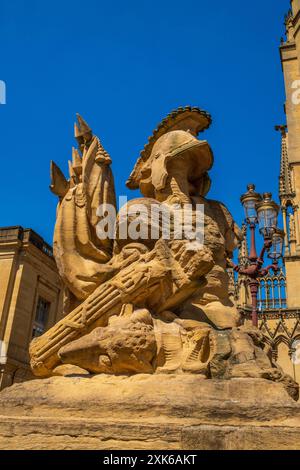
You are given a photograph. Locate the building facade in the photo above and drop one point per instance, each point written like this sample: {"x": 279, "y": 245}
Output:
{"x": 279, "y": 295}
{"x": 289, "y": 190}
{"x": 31, "y": 296}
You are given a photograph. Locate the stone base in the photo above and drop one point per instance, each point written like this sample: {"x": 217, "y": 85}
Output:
{"x": 148, "y": 412}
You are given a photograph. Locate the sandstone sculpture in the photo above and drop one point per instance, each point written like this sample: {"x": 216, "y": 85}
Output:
{"x": 157, "y": 304}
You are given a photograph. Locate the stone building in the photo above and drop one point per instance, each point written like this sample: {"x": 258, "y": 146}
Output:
{"x": 31, "y": 291}
{"x": 290, "y": 159}
{"x": 30, "y": 298}
{"x": 279, "y": 295}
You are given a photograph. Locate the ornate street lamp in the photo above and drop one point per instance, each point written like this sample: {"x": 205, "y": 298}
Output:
{"x": 249, "y": 201}
{"x": 261, "y": 210}
{"x": 276, "y": 249}
{"x": 267, "y": 214}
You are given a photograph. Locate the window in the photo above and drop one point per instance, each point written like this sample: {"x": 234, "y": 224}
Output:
{"x": 41, "y": 317}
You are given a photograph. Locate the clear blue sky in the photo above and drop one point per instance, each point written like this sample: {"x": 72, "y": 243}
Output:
{"x": 124, "y": 65}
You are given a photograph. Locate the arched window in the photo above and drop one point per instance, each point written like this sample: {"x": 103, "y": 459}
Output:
{"x": 272, "y": 292}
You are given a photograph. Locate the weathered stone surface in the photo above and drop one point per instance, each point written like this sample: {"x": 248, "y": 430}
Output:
{"x": 160, "y": 307}
{"x": 124, "y": 347}
{"x": 148, "y": 412}
{"x": 103, "y": 273}
{"x": 68, "y": 369}
{"x": 177, "y": 276}
{"x": 209, "y": 437}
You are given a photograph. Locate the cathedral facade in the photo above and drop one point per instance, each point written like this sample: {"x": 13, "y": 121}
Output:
{"x": 279, "y": 295}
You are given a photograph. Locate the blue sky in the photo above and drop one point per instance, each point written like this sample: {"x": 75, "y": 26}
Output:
{"x": 124, "y": 65}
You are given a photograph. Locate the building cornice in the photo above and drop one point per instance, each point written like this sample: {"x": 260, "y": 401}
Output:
{"x": 286, "y": 52}
{"x": 17, "y": 235}
{"x": 275, "y": 314}
{"x": 288, "y": 45}
{"x": 292, "y": 258}
{"x": 296, "y": 22}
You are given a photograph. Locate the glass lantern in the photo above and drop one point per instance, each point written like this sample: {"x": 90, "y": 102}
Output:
{"x": 250, "y": 200}
{"x": 276, "y": 250}
{"x": 267, "y": 213}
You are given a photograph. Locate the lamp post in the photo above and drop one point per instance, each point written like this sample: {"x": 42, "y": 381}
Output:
{"x": 260, "y": 210}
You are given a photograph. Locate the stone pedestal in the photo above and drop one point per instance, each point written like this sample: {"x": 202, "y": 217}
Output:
{"x": 148, "y": 412}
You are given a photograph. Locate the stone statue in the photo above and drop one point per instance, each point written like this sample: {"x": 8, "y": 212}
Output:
{"x": 157, "y": 304}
